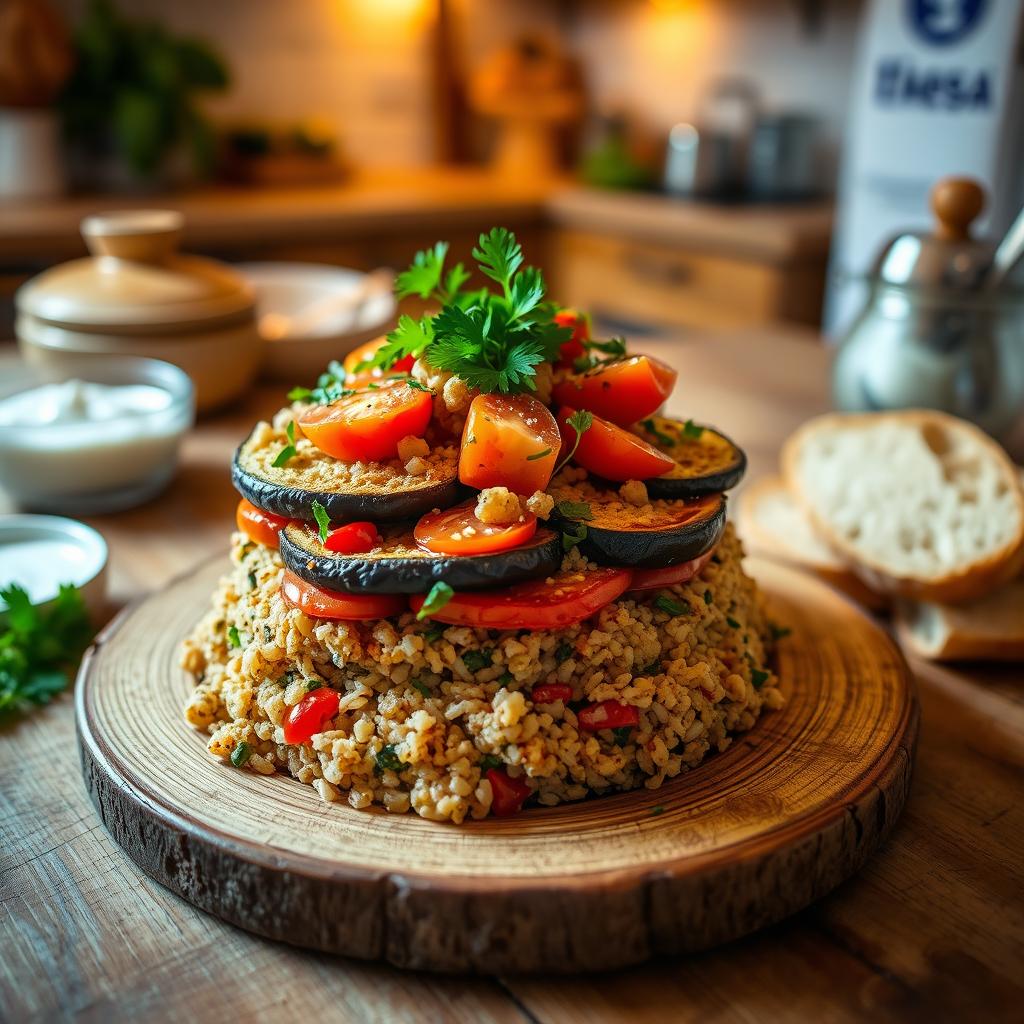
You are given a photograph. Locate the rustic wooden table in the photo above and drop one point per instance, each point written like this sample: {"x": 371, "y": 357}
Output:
{"x": 932, "y": 929}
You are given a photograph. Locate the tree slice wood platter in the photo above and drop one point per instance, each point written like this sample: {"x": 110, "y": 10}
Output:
{"x": 755, "y": 833}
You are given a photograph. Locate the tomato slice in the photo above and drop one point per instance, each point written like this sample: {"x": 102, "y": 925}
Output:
{"x": 622, "y": 391}
{"x": 608, "y": 714}
{"x": 655, "y": 579}
{"x": 509, "y": 441}
{"x": 305, "y": 719}
{"x": 259, "y": 526}
{"x": 575, "y": 347}
{"x": 368, "y": 351}
{"x": 536, "y": 604}
{"x": 353, "y": 539}
{"x": 613, "y": 453}
{"x": 368, "y": 425}
{"x": 320, "y": 603}
{"x": 457, "y": 531}
{"x": 507, "y": 794}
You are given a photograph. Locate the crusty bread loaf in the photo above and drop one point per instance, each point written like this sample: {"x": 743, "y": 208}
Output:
{"x": 991, "y": 628}
{"x": 918, "y": 503}
{"x": 772, "y": 524}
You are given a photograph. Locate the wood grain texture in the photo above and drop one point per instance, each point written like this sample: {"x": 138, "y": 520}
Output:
{"x": 929, "y": 930}
{"x": 790, "y": 810}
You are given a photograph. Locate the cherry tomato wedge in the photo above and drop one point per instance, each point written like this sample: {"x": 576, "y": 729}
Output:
{"x": 623, "y": 391}
{"x": 654, "y": 579}
{"x": 330, "y": 604}
{"x": 535, "y": 604}
{"x": 609, "y": 714}
{"x": 305, "y": 719}
{"x": 548, "y": 693}
{"x": 509, "y": 441}
{"x": 368, "y": 425}
{"x": 259, "y": 526}
{"x": 353, "y": 539}
{"x": 368, "y": 351}
{"x": 457, "y": 531}
{"x": 508, "y": 794}
{"x": 611, "y": 452}
{"x": 575, "y": 347}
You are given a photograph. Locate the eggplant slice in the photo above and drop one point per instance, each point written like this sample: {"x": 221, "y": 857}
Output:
{"x": 383, "y": 493}
{"x": 706, "y": 464}
{"x": 399, "y": 566}
{"x": 667, "y": 533}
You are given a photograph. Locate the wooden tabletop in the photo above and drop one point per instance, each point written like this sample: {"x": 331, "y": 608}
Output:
{"x": 931, "y": 930}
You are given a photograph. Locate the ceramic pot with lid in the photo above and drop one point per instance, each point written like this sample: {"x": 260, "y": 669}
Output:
{"x": 135, "y": 295}
{"x": 931, "y": 334}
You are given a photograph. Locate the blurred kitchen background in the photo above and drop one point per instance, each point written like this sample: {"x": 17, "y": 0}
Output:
{"x": 673, "y": 164}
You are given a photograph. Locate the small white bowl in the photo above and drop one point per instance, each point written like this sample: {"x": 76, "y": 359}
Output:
{"x": 287, "y": 289}
{"x": 41, "y": 552}
{"x": 54, "y": 467}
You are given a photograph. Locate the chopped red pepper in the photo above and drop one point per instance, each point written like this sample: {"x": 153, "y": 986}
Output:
{"x": 310, "y": 715}
{"x": 575, "y": 347}
{"x": 404, "y": 365}
{"x": 353, "y": 539}
{"x": 548, "y": 693}
{"x": 508, "y": 794}
{"x": 609, "y": 714}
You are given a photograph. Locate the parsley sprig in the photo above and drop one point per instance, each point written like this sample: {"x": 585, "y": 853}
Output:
{"x": 440, "y": 594}
{"x": 288, "y": 451}
{"x": 39, "y": 645}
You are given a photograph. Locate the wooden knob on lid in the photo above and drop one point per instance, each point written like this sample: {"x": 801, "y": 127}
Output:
{"x": 956, "y": 202}
{"x": 143, "y": 236}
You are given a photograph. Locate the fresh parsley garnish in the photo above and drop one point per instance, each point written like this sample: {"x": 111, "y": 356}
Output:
{"x": 240, "y": 754}
{"x": 234, "y": 637}
{"x": 252, "y": 581}
{"x": 418, "y": 385}
{"x": 614, "y": 348}
{"x": 505, "y": 678}
{"x": 330, "y": 386}
{"x": 489, "y": 762}
{"x": 733, "y": 624}
{"x": 476, "y": 660}
{"x": 39, "y": 645}
{"x": 440, "y": 594}
{"x": 758, "y": 677}
{"x": 323, "y": 520}
{"x": 314, "y": 684}
{"x": 410, "y": 338}
{"x": 434, "y": 634}
{"x": 778, "y": 632}
{"x": 580, "y": 421}
{"x": 538, "y": 455}
{"x": 690, "y": 429}
{"x": 670, "y": 605}
{"x": 563, "y": 652}
{"x": 708, "y": 597}
{"x": 653, "y": 669}
{"x": 387, "y": 760}
{"x": 659, "y": 435}
{"x": 289, "y": 449}
{"x": 426, "y": 278}
{"x": 576, "y": 511}
{"x": 620, "y": 736}
{"x": 583, "y": 363}
{"x": 418, "y": 684}
{"x": 573, "y": 534}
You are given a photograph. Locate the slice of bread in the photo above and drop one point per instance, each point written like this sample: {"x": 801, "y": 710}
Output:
{"x": 991, "y": 628}
{"x": 772, "y": 524}
{"x": 920, "y": 504}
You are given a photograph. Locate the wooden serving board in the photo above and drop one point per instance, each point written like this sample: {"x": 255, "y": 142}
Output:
{"x": 785, "y": 814}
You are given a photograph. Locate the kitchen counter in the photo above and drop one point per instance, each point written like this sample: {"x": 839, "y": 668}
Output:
{"x": 931, "y": 929}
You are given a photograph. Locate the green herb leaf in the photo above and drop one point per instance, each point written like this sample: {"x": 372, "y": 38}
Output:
{"x": 582, "y": 363}
{"x": 423, "y": 278}
{"x": 758, "y": 677}
{"x": 655, "y": 811}
{"x": 525, "y": 292}
{"x": 434, "y": 634}
{"x": 563, "y": 652}
{"x": 651, "y": 670}
{"x": 489, "y": 762}
{"x": 298, "y": 394}
{"x": 440, "y": 594}
{"x": 240, "y": 754}
{"x": 417, "y": 385}
{"x": 476, "y": 660}
{"x": 778, "y": 632}
{"x": 575, "y": 510}
{"x": 314, "y": 684}
{"x": 538, "y": 455}
{"x": 252, "y": 581}
{"x": 499, "y": 256}
{"x": 322, "y": 520}
{"x": 572, "y": 535}
{"x": 733, "y": 624}
{"x": 234, "y": 637}
{"x": 410, "y": 338}
{"x": 268, "y": 634}
{"x": 289, "y": 449}
{"x": 670, "y": 605}
{"x": 708, "y": 597}
{"x": 690, "y": 429}
{"x": 621, "y": 735}
{"x": 615, "y": 347}
{"x": 660, "y": 436}
{"x": 387, "y": 760}
{"x": 505, "y": 678}
{"x": 580, "y": 421}
{"x": 418, "y": 684}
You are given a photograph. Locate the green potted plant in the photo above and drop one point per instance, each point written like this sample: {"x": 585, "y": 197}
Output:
{"x": 130, "y": 112}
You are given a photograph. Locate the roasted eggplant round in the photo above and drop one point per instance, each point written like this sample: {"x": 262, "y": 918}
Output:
{"x": 707, "y": 462}
{"x": 290, "y": 490}
{"x": 674, "y": 532}
{"x": 399, "y": 566}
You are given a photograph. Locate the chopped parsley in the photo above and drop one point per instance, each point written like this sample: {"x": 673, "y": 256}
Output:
{"x": 418, "y": 684}
{"x": 240, "y": 754}
{"x": 289, "y": 449}
{"x": 651, "y": 670}
{"x": 314, "y": 684}
{"x": 440, "y": 594}
{"x": 575, "y": 510}
{"x": 620, "y": 736}
{"x": 758, "y": 677}
{"x": 670, "y": 605}
{"x": 252, "y": 581}
{"x": 659, "y": 435}
{"x": 387, "y": 760}
{"x": 573, "y": 534}
{"x": 778, "y": 632}
{"x": 538, "y": 455}
{"x": 434, "y": 634}
{"x": 733, "y": 624}
{"x": 505, "y": 678}
{"x": 615, "y": 347}
{"x": 330, "y": 386}
{"x": 489, "y": 762}
{"x": 690, "y": 429}
{"x": 417, "y": 385}
{"x": 268, "y": 634}
{"x": 563, "y": 652}
{"x": 476, "y": 660}
{"x": 708, "y": 597}
{"x": 322, "y": 520}
{"x": 234, "y": 637}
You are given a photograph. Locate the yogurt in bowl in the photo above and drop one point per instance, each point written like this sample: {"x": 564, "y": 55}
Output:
{"x": 101, "y": 439}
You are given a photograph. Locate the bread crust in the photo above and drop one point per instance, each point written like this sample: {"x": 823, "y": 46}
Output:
{"x": 967, "y": 584}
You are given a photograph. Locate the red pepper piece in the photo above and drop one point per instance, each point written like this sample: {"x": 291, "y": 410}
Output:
{"x": 353, "y": 539}
{"x": 609, "y": 714}
{"x": 310, "y": 715}
{"x": 404, "y": 365}
{"x": 508, "y": 793}
{"x": 575, "y": 347}
{"x": 548, "y": 693}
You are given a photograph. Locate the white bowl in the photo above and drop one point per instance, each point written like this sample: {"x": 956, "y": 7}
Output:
{"x": 289, "y": 288}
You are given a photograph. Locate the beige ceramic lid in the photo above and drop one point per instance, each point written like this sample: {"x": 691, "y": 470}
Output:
{"x": 136, "y": 279}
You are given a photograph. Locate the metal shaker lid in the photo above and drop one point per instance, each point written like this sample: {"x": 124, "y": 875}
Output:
{"x": 945, "y": 257}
